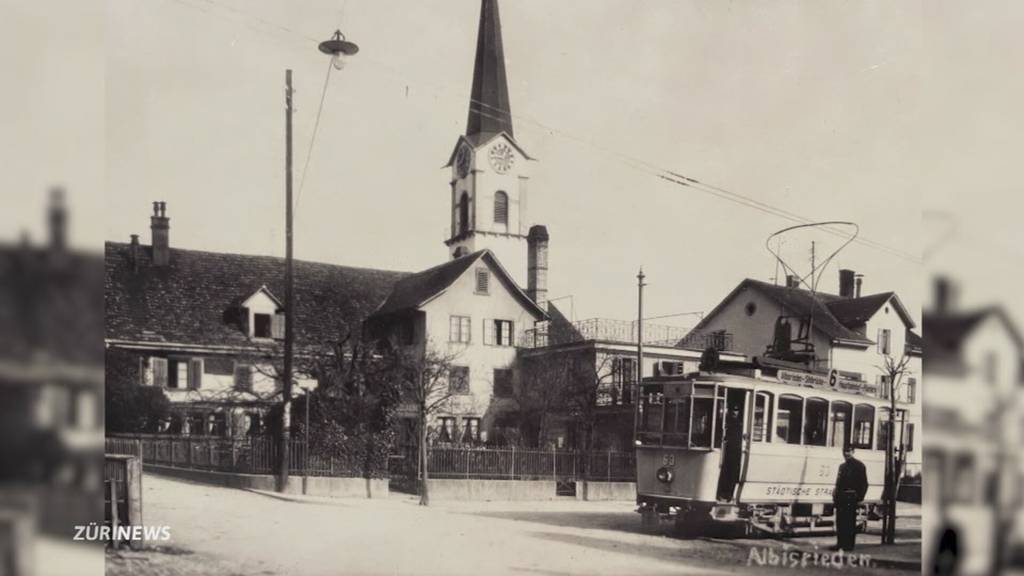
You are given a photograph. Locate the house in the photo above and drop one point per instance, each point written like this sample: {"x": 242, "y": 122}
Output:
{"x": 975, "y": 419}
{"x": 51, "y": 375}
{"x": 207, "y": 327}
{"x": 847, "y": 332}
{"x": 600, "y": 354}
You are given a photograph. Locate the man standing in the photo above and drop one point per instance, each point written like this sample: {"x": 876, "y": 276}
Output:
{"x": 851, "y": 486}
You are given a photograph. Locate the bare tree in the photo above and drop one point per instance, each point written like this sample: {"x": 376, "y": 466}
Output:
{"x": 589, "y": 377}
{"x": 540, "y": 393}
{"x": 429, "y": 386}
{"x": 894, "y": 370}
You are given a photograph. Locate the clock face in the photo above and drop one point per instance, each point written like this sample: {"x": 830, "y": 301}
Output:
{"x": 501, "y": 157}
{"x": 462, "y": 159}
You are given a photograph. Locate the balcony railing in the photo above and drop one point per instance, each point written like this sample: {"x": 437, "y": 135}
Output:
{"x": 622, "y": 332}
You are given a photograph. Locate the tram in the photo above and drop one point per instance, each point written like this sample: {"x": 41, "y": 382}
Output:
{"x": 757, "y": 444}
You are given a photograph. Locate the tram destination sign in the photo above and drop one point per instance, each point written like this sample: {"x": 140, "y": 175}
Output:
{"x": 831, "y": 381}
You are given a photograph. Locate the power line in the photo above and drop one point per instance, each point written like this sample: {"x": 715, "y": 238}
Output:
{"x": 638, "y": 164}
{"x": 312, "y": 138}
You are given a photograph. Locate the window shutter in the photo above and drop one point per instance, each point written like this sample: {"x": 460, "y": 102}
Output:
{"x": 511, "y": 333}
{"x": 195, "y": 373}
{"x": 453, "y": 328}
{"x": 160, "y": 372}
{"x": 144, "y": 380}
{"x": 277, "y": 326}
{"x": 879, "y": 340}
{"x": 243, "y": 377}
{"x": 489, "y": 331}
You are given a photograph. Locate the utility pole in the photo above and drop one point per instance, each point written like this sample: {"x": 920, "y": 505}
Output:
{"x": 289, "y": 297}
{"x": 813, "y": 283}
{"x": 639, "y": 348}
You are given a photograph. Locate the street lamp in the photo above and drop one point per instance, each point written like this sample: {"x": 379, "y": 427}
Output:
{"x": 338, "y": 48}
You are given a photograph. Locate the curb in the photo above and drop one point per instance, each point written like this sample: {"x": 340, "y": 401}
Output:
{"x": 297, "y": 498}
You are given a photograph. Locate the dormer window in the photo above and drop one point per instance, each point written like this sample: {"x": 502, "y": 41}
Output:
{"x": 261, "y": 325}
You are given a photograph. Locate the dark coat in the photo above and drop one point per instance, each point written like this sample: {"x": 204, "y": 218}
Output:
{"x": 852, "y": 476}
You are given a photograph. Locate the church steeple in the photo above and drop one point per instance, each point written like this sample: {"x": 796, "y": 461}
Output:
{"x": 489, "y": 108}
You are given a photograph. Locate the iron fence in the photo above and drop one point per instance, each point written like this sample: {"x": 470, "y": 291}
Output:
{"x": 258, "y": 455}
{"x": 250, "y": 455}
{"x": 519, "y": 464}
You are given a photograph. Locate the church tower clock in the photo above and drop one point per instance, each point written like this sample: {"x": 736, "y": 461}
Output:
{"x": 488, "y": 167}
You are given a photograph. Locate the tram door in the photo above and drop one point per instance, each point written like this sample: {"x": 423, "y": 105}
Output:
{"x": 731, "y": 415}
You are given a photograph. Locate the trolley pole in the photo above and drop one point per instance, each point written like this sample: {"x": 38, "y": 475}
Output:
{"x": 289, "y": 300}
{"x": 639, "y": 348}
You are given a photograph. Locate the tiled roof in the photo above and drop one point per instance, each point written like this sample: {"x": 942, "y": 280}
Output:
{"x": 945, "y": 333}
{"x": 415, "y": 289}
{"x": 798, "y": 302}
{"x": 857, "y": 311}
{"x": 51, "y": 305}
{"x": 193, "y": 300}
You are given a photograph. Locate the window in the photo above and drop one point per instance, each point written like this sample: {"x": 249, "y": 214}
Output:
{"x": 842, "y": 416}
{"x": 908, "y": 438}
{"x": 178, "y": 373}
{"x": 964, "y": 479}
{"x": 863, "y": 425}
{"x": 789, "y": 421}
{"x": 463, "y": 223}
{"x": 483, "y": 281}
{"x": 701, "y": 419}
{"x": 503, "y": 383}
{"x": 884, "y": 387}
{"x": 816, "y": 422}
{"x": 446, "y": 431}
{"x": 459, "y": 329}
{"x": 261, "y": 326}
{"x": 458, "y": 380}
{"x": 470, "y": 430}
{"x": 911, "y": 394}
{"x": 761, "y": 429}
{"x": 499, "y": 332}
{"x": 884, "y": 341}
{"x": 500, "y": 208}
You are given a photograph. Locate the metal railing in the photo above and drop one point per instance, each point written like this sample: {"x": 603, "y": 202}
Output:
{"x": 250, "y": 455}
{"x": 519, "y": 464}
{"x": 622, "y": 332}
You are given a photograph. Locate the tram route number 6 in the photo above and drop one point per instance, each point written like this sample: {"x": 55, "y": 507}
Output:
{"x": 668, "y": 460}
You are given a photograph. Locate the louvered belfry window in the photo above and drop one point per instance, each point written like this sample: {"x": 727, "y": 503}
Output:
{"x": 500, "y": 208}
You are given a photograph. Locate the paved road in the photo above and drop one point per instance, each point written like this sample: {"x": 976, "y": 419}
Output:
{"x": 227, "y": 531}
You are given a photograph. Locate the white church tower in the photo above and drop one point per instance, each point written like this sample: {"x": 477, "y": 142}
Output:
{"x": 489, "y": 171}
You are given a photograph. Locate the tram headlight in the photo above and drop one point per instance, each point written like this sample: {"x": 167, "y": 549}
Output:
{"x": 665, "y": 474}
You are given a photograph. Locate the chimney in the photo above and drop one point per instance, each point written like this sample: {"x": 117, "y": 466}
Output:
{"x": 133, "y": 252}
{"x": 792, "y": 281}
{"x": 945, "y": 295}
{"x": 846, "y": 289}
{"x": 859, "y": 280}
{"x": 57, "y": 217}
{"x": 161, "y": 228}
{"x": 537, "y": 265}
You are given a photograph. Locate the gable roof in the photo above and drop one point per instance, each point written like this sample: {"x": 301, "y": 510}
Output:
{"x": 796, "y": 302}
{"x": 193, "y": 299}
{"x": 946, "y": 333}
{"x": 853, "y": 312}
{"x": 415, "y": 290}
{"x": 51, "y": 306}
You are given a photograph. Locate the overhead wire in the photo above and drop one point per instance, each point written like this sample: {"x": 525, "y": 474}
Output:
{"x": 638, "y": 164}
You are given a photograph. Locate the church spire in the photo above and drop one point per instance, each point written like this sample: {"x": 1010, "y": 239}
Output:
{"x": 489, "y": 109}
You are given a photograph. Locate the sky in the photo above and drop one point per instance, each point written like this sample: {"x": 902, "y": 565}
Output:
{"x": 863, "y": 112}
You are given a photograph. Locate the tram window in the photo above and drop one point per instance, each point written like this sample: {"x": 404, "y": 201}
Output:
{"x": 789, "y": 421}
{"x": 816, "y": 422}
{"x": 653, "y": 412}
{"x": 863, "y": 425}
{"x": 762, "y": 428}
{"x": 842, "y": 415}
{"x": 701, "y": 422}
{"x": 677, "y": 421}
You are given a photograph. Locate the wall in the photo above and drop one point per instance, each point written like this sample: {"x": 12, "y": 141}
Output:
{"x": 310, "y": 486}
{"x": 499, "y": 490}
{"x": 461, "y": 299}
